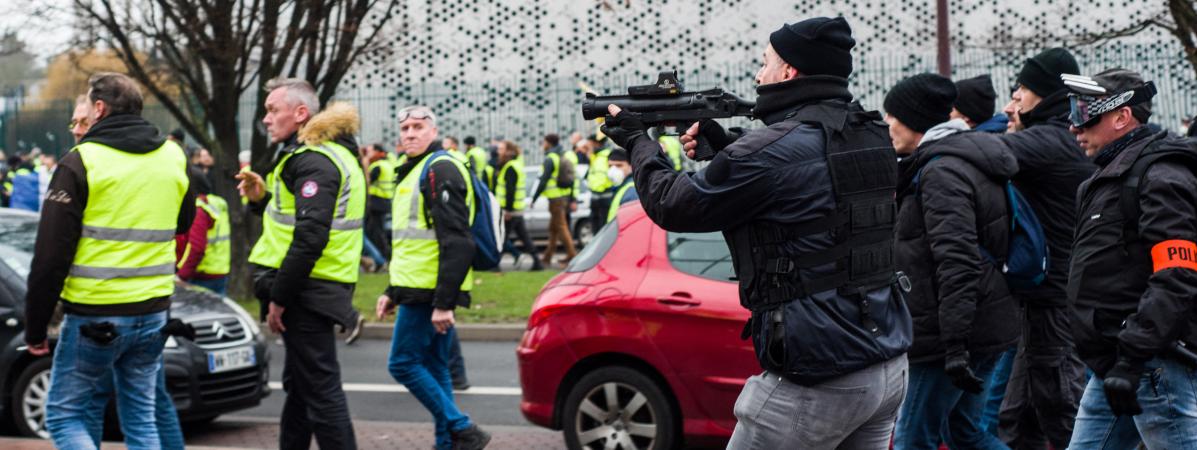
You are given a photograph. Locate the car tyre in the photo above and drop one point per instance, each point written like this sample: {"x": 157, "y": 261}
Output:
{"x": 583, "y": 232}
{"x": 639, "y": 418}
{"x": 29, "y": 396}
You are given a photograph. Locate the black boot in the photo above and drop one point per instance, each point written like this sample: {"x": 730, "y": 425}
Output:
{"x": 472, "y": 438}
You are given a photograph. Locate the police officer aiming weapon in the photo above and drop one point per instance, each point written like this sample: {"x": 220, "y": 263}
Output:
{"x": 665, "y": 103}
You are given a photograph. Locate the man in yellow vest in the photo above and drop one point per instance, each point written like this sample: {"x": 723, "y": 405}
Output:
{"x": 381, "y": 174}
{"x": 312, "y": 205}
{"x": 672, "y": 146}
{"x": 557, "y": 181}
{"x": 478, "y": 161}
{"x": 111, "y": 262}
{"x": 204, "y": 252}
{"x": 431, "y": 274}
{"x": 511, "y": 189}
{"x": 620, "y": 173}
{"x": 601, "y": 185}
{"x": 450, "y": 145}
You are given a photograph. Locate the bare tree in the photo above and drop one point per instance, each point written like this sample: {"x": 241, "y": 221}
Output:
{"x": 219, "y": 50}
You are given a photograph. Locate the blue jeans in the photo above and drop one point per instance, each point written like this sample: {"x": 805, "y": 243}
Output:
{"x": 217, "y": 285}
{"x": 1168, "y": 395}
{"x": 170, "y": 433}
{"x": 81, "y": 365}
{"x": 419, "y": 361}
{"x": 996, "y": 390}
{"x": 936, "y": 411}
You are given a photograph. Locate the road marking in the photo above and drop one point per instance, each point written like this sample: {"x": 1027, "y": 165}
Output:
{"x": 379, "y": 387}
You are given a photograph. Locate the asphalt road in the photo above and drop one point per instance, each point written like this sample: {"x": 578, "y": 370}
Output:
{"x": 373, "y": 395}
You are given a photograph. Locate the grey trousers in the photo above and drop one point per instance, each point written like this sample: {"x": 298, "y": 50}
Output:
{"x": 855, "y": 411}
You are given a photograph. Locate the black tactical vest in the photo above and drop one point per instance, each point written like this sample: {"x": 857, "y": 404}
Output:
{"x": 864, "y": 172}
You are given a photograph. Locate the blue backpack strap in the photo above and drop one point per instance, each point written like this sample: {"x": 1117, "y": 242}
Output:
{"x": 918, "y": 176}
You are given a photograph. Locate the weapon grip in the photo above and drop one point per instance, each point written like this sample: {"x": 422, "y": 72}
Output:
{"x": 704, "y": 151}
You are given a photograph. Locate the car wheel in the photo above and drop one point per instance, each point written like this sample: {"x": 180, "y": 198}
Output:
{"x": 618, "y": 408}
{"x": 29, "y": 398}
{"x": 583, "y": 232}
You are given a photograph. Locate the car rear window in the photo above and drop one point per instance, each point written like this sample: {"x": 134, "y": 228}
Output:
{"x": 596, "y": 249}
{"x": 701, "y": 254}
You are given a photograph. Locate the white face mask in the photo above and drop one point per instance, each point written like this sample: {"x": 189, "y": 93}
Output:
{"x": 617, "y": 176}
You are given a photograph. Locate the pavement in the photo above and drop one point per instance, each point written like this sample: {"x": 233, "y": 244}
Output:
{"x": 384, "y": 414}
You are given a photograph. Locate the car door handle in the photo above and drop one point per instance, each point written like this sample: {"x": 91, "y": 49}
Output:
{"x": 679, "y": 299}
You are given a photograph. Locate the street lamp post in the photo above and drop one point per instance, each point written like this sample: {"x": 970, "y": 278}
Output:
{"x": 944, "y": 48}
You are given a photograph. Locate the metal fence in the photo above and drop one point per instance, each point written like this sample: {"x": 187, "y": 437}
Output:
{"x": 524, "y": 109}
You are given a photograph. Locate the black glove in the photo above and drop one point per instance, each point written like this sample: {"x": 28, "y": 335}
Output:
{"x": 1121, "y": 384}
{"x": 623, "y": 129}
{"x": 716, "y": 135}
{"x": 176, "y": 327}
{"x": 956, "y": 366}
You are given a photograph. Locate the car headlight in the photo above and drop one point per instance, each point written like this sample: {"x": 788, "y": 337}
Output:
{"x": 171, "y": 342}
{"x": 245, "y": 317}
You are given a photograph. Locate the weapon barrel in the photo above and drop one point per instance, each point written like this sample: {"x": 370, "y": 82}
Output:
{"x": 595, "y": 107}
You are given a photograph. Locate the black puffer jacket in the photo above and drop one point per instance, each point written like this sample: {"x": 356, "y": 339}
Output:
{"x": 1051, "y": 167}
{"x": 959, "y": 297}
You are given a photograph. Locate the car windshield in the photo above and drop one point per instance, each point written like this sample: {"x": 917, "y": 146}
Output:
{"x": 17, "y": 260}
{"x": 18, "y": 231}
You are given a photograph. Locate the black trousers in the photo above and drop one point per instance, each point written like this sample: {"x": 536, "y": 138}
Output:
{"x": 517, "y": 226}
{"x": 315, "y": 403}
{"x": 599, "y": 208}
{"x": 1046, "y": 383}
{"x": 376, "y": 230}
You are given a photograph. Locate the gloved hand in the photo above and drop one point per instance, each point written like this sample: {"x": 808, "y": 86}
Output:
{"x": 956, "y": 366}
{"x": 623, "y": 127}
{"x": 716, "y": 135}
{"x": 1121, "y": 385}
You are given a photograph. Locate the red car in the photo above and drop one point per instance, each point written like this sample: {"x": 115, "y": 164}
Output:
{"x": 636, "y": 345}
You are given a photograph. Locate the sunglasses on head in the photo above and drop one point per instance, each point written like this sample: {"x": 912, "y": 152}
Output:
{"x": 414, "y": 113}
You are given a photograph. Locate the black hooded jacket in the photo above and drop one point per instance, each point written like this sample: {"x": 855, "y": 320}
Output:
{"x": 959, "y": 299}
{"x": 61, "y": 226}
{"x": 1130, "y": 305}
{"x": 1050, "y": 168}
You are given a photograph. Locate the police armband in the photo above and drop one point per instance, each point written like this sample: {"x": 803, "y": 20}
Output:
{"x": 1175, "y": 253}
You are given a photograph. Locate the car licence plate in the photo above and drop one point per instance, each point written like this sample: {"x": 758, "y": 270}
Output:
{"x": 231, "y": 359}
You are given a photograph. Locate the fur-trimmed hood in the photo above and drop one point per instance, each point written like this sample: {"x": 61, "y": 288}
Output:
{"x": 338, "y": 121}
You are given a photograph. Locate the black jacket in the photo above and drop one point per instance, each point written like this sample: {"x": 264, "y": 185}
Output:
{"x": 1050, "y": 168}
{"x": 959, "y": 299}
{"x": 313, "y": 218}
{"x": 451, "y": 223}
{"x": 61, "y": 226}
{"x": 1125, "y": 308}
{"x": 779, "y": 175}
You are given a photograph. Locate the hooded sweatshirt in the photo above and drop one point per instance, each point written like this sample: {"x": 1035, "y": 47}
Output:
{"x": 959, "y": 299}
{"x": 61, "y": 226}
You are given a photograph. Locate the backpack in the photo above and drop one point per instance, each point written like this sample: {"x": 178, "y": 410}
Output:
{"x": 1128, "y": 198}
{"x": 487, "y": 227}
{"x": 1027, "y": 254}
{"x": 566, "y": 173}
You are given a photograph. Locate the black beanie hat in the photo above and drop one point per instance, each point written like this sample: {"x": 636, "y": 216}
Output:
{"x": 1041, "y": 74}
{"x": 922, "y": 101}
{"x": 818, "y": 46}
{"x": 617, "y": 154}
{"x": 975, "y": 98}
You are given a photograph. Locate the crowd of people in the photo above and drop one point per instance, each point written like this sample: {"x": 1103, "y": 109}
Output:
{"x": 941, "y": 274}
{"x": 1018, "y": 280}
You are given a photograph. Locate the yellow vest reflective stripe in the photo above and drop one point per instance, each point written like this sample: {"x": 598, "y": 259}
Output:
{"x": 673, "y": 148}
{"x": 384, "y": 185}
{"x": 126, "y": 252}
{"x": 516, "y": 165}
{"x": 618, "y": 200}
{"x": 596, "y": 174}
{"x": 341, "y": 256}
{"x": 478, "y": 161}
{"x": 415, "y": 254}
{"x": 552, "y": 190}
{"x": 216, "y": 254}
